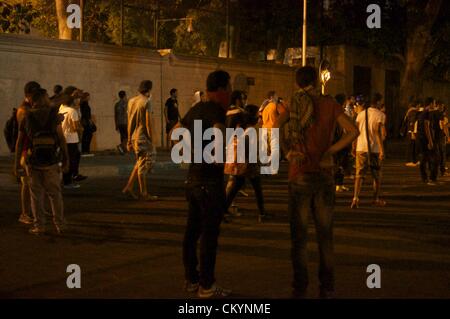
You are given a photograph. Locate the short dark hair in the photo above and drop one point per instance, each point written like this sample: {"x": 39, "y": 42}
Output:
{"x": 38, "y": 98}
{"x": 57, "y": 89}
{"x": 252, "y": 114}
{"x": 377, "y": 97}
{"x": 270, "y": 94}
{"x": 69, "y": 90}
{"x": 30, "y": 88}
{"x": 236, "y": 95}
{"x": 68, "y": 95}
{"x": 173, "y": 91}
{"x": 340, "y": 98}
{"x": 428, "y": 101}
{"x": 122, "y": 94}
{"x": 306, "y": 75}
{"x": 145, "y": 86}
{"x": 217, "y": 80}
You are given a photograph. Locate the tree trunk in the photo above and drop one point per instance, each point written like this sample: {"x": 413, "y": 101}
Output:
{"x": 418, "y": 47}
{"x": 65, "y": 33}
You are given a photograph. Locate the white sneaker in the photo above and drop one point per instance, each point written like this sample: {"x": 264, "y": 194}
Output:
{"x": 72, "y": 186}
{"x": 243, "y": 193}
{"x": 214, "y": 291}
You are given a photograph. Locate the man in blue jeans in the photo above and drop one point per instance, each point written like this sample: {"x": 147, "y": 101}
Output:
{"x": 308, "y": 145}
{"x": 205, "y": 193}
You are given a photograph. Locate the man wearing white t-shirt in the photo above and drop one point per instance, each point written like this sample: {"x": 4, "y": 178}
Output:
{"x": 370, "y": 141}
{"x": 72, "y": 129}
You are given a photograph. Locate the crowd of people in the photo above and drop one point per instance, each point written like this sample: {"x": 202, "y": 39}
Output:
{"x": 49, "y": 131}
{"x": 323, "y": 139}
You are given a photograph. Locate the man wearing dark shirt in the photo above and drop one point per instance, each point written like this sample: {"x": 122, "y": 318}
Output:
{"x": 408, "y": 130}
{"x": 171, "y": 112}
{"x": 427, "y": 148}
{"x": 436, "y": 116}
{"x": 121, "y": 121}
{"x": 205, "y": 192}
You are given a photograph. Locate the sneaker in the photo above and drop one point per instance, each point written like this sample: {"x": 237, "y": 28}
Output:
{"x": 339, "y": 189}
{"x": 299, "y": 294}
{"x": 25, "y": 219}
{"x": 431, "y": 183}
{"x": 243, "y": 193}
{"x": 264, "y": 217}
{"x": 326, "y": 294}
{"x": 72, "y": 186}
{"x": 191, "y": 287}
{"x": 149, "y": 198}
{"x": 120, "y": 149}
{"x": 87, "y": 155}
{"x": 214, "y": 291}
{"x": 60, "y": 229}
{"x": 37, "y": 231}
{"x": 79, "y": 178}
{"x": 410, "y": 164}
{"x": 235, "y": 211}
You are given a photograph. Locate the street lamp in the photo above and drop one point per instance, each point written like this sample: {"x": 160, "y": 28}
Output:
{"x": 325, "y": 74}
{"x": 304, "y": 34}
{"x": 157, "y": 24}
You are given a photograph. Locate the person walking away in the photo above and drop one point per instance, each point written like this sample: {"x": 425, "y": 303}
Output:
{"x": 121, "y": 119}
{"x": 171, "y": 114}
{"x": 270, "y": 115}
{"x": 342, "y": 157}
{"x": 205, "y": 193}
{"x": 369, "y": 152}
{"x": 309, "y": 149}
{"x": 436, "y": 119}
{"x": 428, "y": 156}
{"x": 42, "y": 128}
{"x": 408, "y": 126}
{"x": 444, "y": 124}
{"x": 89, "y": 127}
{"x": 57, "y": 95}
{"x": 24, "y": 174}
{"x": 72, "y": 131}
{"x": 239, "y": 172}
{"x": 140, "y": 140}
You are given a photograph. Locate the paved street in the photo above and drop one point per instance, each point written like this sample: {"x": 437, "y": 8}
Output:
{"x": 130, "y": 249}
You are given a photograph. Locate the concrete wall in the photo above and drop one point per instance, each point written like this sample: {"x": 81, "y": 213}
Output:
{"x": 103, "y": 70}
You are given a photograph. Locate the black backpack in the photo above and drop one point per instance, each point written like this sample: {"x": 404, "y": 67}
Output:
{"x": 41, "y": 130}
{"x": 11, "y": 131}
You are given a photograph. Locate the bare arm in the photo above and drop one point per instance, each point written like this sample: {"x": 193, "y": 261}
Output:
{"x": 116, "y": 118}
{"x": 148, "y": 122}
{"x": 217, "y": 142}
{"x": 379, "y": 139}
{"x": 350, "y": 134}
{"x": 18, "y": 154}
{"x": 166, "y": 116}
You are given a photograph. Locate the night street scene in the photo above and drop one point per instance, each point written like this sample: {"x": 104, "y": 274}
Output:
{"x": 244, "y": 152}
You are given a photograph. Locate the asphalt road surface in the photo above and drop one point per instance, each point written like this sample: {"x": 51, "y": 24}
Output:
{"x": 130, "y": 249}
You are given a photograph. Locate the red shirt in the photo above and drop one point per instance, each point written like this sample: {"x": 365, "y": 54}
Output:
{"x": 319, "y": 137}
